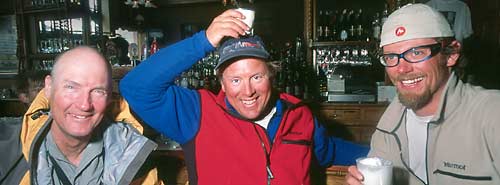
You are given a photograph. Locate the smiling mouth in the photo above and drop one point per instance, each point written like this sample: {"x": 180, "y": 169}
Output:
{"x": 249, "y": 102}
{"x": 79, "y": 116}
{"x": 412, "y": 82}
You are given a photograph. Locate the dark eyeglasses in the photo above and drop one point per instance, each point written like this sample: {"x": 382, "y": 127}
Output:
{"x": 413, "y": 55}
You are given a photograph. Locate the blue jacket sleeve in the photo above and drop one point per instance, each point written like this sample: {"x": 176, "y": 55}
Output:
{"x": 330, "y": 150}
{"x": 152, "y": 95}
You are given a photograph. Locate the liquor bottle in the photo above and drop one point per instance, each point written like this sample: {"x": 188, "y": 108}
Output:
{"x": 350, "y": 25}
{"x": 326, "y": 34}
{"x": 399, "y": 4}
{"x": 144, "y": 53}
{"x": 308, "y": 81}
{"x": 323, "y": 86}
{"x": 184, "y": 82}
{"x": 154, "y": 47}
{"x": 327, "y": 27}
{"x": 299, "y": 62}
{"x": 376, "y": 27}
{"x": 299, "y": 54}
{"x": 288, "y": 77}
{"x": 287, "y": 68}
{"x": 352, "y": 33}
{"x": 334, "y": 26}
{"x": 319, "y": 28}
{"x": 288, "y": 83}
{"x": 297, "y": 82}
{"x": 343, "y": 35}
{"x": 207, "y": 80}
{"x": 385, "y": 14}
{"x": 195, "y": 79}
{"x": 359, "y": 25}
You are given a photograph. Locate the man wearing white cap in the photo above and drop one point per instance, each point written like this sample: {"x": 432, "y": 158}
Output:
{"x": 438, "y": 130}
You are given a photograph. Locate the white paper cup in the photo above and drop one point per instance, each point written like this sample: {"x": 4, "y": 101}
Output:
{"x": 375, "y": 170}
{"x": 249, "y": 17}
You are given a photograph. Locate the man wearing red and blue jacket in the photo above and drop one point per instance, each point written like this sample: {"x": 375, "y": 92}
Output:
{"x": 246, "y": 134}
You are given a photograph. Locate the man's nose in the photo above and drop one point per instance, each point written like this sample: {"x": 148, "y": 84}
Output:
{"x": 248, "y": 89}
{"x": 85, "y": 101}
{"x": 404, "y": 66}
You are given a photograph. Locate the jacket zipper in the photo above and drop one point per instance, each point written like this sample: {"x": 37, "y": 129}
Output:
{"x": 427, "y": 154}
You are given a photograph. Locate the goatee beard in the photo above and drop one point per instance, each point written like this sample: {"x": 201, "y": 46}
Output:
{"x": 414, "y": 101}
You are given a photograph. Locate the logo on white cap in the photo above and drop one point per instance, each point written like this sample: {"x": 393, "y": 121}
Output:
{"x": 400, "y": 31}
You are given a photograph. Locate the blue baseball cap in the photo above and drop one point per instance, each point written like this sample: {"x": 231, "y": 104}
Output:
{"x": 241, "y": 47}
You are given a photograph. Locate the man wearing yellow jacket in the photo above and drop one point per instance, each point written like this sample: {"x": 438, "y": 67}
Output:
{"x": 75, "y": 142}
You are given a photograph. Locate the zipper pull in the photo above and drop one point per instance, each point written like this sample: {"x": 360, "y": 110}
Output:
{"x": 269, "y": 173}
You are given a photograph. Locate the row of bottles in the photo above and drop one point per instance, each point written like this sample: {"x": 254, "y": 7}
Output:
{"x": 348, "y": 25}
{"x": 353, "y": 25}
{"x": 57, "y": 45}
{"x": 201, "y": 75}
{"x": 296, "y": 76}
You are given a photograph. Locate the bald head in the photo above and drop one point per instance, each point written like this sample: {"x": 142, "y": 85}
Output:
{"x": 82, "y": 57}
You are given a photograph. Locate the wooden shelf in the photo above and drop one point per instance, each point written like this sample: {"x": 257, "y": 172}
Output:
{"x": 53, "y": 8}
{"x": 341, "y": 43}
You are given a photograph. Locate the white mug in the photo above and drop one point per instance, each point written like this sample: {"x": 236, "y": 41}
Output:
{"x": 375, "y": 170}
{"x": 249, "y": 17}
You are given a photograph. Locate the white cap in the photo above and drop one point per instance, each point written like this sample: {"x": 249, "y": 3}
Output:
{"x": 414, "y": 21}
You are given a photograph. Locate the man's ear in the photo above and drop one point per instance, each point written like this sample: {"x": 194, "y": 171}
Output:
{"x": 23, "y": 97}
{"x": 455, "y": 54}
{"x": 48, "y": 85}
{"x": 222, "y": 87}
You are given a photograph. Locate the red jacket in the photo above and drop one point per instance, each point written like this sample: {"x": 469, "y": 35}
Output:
{"x": 241, "y": 158}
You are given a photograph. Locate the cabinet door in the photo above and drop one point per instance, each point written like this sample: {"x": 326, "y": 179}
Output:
{"x": 354, "y": 122}
{"x": 349, "y": 116}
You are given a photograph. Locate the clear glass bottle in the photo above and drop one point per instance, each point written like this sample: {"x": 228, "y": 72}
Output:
{"x": 376, "y": 27}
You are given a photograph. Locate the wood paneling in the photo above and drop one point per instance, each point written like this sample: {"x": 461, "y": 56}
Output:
{"x": 354, "y": 122}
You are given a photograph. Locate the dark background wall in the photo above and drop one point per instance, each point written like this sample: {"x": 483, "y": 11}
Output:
{"x": 276, "y": 21}
{"x": 7, "y": 7}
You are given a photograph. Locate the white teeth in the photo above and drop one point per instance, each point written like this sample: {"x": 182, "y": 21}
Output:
{"x": 80, "y": 117}
{"x": 248, "y": 102}
{"x": 412, "y": 81}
